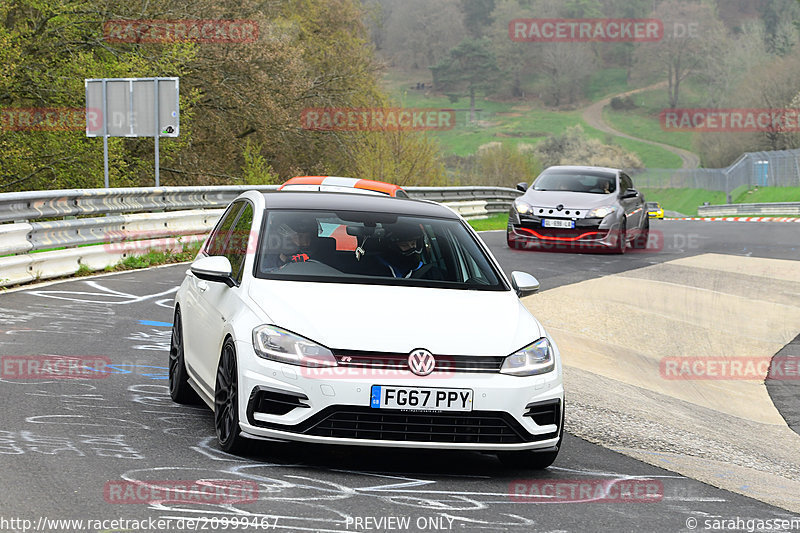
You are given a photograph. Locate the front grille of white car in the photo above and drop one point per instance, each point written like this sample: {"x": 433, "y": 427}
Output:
{"x": 399, "y": 361}
{"x": 472, "y": 427}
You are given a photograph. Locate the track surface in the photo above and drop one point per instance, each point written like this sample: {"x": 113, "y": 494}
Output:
{"x": 62, "y": 441}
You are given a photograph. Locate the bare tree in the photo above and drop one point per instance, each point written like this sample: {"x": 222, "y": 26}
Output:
{"x": 419, "y": 33}
{"x": 738, "y": 56}
{"x": 567, "y": 68}
{"x": 693, "y": 39}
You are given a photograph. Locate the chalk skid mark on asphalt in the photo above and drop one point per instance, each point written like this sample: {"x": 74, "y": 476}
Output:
{"x": 270, "y": 488}
{"x": 107, "y": 445}
{"x": 155, "y": 339}
{"x": 67, "y": 318}
{"x": 86, "y": 421}
{"x": 165, "y": 302}
{"x": 108, "y": 295}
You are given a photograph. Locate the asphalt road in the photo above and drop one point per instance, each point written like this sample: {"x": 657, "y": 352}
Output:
{"x": 65, "y": 444}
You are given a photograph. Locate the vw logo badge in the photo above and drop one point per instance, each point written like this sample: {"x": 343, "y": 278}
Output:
{"x": 421, "y": 362}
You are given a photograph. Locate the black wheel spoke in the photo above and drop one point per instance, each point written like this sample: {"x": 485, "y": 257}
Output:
{"x": 226, "y": 420}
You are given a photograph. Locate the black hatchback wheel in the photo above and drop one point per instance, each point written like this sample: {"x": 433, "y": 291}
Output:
{"x": 179, "y": 389}
{"x": 622, "y": 238}
{"x": 226, "y": 401}
{"x": 641, "y": 240}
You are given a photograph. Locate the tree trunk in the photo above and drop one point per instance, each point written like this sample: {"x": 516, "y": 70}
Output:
{"x": 472, "y": 104}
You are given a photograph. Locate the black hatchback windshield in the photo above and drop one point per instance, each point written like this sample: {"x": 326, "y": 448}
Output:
{"x": 360, "y": 247}
{"x": 576, "y": 181}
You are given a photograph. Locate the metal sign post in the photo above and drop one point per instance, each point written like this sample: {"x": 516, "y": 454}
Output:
{"x": 132, "y": 107}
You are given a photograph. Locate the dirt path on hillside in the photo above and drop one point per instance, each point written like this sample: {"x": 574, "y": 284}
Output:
{"x": 593, "y": 115}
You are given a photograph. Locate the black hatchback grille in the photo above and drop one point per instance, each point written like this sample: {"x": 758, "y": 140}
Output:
{"x": 352, "y": 422}
{"x": 399, "y": 361}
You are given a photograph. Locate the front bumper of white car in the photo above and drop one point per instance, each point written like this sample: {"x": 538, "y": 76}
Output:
{"x": 332, "y": 405}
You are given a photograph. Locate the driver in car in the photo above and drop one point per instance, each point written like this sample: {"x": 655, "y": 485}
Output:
{"x": 402, "y": 254}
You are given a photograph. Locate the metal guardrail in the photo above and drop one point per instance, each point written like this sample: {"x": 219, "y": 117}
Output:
{"x": 776, "y": 208}
{"x": 34, "y": 205}
{"x": 121, "y": 222}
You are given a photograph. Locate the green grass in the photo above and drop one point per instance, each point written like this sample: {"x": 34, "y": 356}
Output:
{"x": 514, "y": 124}
{"x": 686, "y": 201}
{"x": 83, "y": 270}
{"x": 498, "y": 221}
{"x": 156, "y": 258}
{"x": 651, "y": 156}
{"x": 683, "y": 201}
{"x": 768, "y": 194}
{"x": 606, "y": 82}
{"x": 637, "y": 124}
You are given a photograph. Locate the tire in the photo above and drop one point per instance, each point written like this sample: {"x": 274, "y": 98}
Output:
{"x": 640, "y": 242}
{"x": 533, "y": 460}
{"x": 512, "y": 243}
{"x": 622, "y": 238}
{"x": 179, "y": 389}
{"x": 226, "y": 401}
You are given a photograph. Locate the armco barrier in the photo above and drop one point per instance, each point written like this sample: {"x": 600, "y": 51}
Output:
{"x": 137, "y": 219}
{"x": 783, "y": 208}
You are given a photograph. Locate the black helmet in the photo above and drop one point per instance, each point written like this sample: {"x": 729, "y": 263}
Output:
{"x": 405, "y": 233}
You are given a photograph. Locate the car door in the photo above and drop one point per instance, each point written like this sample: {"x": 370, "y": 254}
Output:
{"x": 634, "y": 207}
{"x": 222, "y": 301}
{"x": 200, "y": 317}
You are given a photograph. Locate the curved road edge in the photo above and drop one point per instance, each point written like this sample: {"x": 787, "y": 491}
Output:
{"x": 593, "y": 116}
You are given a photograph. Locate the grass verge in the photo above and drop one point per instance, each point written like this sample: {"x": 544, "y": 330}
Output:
{"x": 498, "y": 221}
{"x": 155, "y": 258}
{"x": 686, "y": 201}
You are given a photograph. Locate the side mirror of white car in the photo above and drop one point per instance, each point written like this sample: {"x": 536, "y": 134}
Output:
{"x": 215, "y": 269}
{"x": 524, "y": 283}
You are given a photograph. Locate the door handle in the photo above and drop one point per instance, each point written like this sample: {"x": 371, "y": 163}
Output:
{"x": 202, "y": 286}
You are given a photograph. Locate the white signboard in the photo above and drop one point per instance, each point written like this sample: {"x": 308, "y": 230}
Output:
{"x": 132, "y": 107}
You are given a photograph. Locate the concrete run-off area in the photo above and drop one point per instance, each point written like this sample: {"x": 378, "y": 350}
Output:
{"x": 615, "y": 333}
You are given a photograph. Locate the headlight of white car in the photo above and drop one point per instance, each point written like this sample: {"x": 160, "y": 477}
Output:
{"x": 536, "y": 358}
{"x": 272, "y": 342}
{"x": 601, "y": 212}
{"x": 522, "y": 207}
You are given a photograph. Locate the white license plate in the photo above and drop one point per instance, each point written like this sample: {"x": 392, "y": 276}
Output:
{"x": 420, "y": 399}
{"x": 555, "y": 223}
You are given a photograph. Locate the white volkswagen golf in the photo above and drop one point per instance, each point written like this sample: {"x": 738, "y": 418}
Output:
{"x": 362, "y": 320}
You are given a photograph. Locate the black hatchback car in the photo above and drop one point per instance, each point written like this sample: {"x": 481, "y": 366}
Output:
{"x": 574, "y": 207}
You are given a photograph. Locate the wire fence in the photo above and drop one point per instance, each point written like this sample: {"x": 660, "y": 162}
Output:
{"x": 761, "y": 169}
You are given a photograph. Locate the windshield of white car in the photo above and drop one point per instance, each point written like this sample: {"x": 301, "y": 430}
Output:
{"x": 373, "y": 248}
{"x": 588, "y": 182}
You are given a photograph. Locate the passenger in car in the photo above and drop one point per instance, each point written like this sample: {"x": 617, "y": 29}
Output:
{"x": 299, "y": 242}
